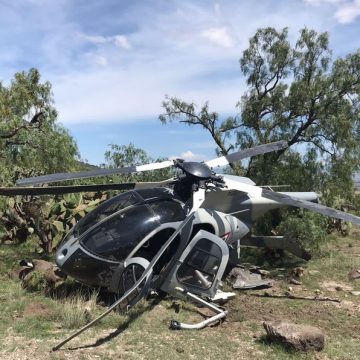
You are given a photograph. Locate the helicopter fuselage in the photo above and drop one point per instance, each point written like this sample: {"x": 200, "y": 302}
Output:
{"x": 138, "y": 222}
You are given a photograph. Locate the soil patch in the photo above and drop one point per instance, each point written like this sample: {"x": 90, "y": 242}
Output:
{"x": 335, "y": 286}
{"x": 37, "y": 309}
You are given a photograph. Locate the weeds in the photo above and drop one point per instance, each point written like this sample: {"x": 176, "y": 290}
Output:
{"x": 76, "y": 311}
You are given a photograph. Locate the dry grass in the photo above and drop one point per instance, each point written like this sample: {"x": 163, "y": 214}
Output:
{"x": 76, "y": 311}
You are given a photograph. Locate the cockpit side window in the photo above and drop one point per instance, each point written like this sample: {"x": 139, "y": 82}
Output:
{"x": 168, "y": 210}
{"x": 116, "y": 237}
{"x": 106, "y": 209}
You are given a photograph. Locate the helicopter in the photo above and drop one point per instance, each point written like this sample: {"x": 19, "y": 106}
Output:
{"x": 177, "y": 236}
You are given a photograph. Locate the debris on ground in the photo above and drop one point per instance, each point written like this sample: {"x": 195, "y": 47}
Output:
{"x": 262, "y": 272}
{"x": 295, "y": 282}
{"x": 221, "y": 297}
{"x": 354, "y": 274}
{"x": 294, "y": 336}
{"x": 288, "y": 295}
{"x": 245, "y": 279}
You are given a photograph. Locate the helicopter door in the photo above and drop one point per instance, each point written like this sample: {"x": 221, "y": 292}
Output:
{"x": 201, "y": 265}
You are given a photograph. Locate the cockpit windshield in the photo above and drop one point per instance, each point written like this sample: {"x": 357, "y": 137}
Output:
{"x": 107, "y": 208}
{"x": 115, "y": 227}
{"x": 117, "y": 236}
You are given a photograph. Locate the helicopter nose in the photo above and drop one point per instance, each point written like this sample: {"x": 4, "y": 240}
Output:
{"x": 66, "y": 250}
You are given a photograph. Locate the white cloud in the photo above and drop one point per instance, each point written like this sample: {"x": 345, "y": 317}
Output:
{"x": 94, "y": 39}
{"x": 170, "y": 51}
{"x": 112, "y": 94}
{"x": 319, "y": 2}
{"x": 219, "y": 36}
{"x": 120, "y": 41}
{"x": 189, "y": 156}
{"x": 348, "y": 12}
{"x": 100, "y": 60}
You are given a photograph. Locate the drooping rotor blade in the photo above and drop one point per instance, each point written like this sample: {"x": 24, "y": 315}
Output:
{"x": 321, "y": 209}
{"x": 57, "y": 190}
{"x": 232, "y": 183}
{"x": 46, "y": 179}
{"x": 246, "y": 153}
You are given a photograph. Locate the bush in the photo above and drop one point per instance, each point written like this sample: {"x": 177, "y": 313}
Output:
{"x": 308, "y": 228}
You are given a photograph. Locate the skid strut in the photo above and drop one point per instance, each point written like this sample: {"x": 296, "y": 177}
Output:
{"x": 219, "y": 313}
{"x": 146, "y": 272}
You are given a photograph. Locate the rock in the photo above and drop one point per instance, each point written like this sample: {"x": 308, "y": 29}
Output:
{"x": 297, "y": 272}
{"x": 355, "y": 293}
{"x": 205, "y": 312}
{"x": 295, "y": 282}
{"x": 29, "y": 272}
{"x": 294, "y": 336}
{"x": 50, "y": 270}
{"x": 354, "y": 274}
{"x": 20, "y": 273}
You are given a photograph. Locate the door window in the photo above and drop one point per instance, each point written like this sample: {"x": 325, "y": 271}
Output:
{"x": 201, "y": 265}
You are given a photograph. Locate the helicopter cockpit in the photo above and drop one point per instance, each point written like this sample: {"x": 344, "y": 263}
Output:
{"x": 114, "y": 235}
{"x": 107, "y": 235}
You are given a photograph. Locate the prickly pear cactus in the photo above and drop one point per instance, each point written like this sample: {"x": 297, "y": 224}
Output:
{"x": 46, "y": 217}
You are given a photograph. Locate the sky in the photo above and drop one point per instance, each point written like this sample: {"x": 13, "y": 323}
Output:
{"x": 111, "y": 63}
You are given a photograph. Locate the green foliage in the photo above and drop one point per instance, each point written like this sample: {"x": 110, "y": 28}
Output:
{"x": 129, "y": 155}
{"x": 307, "y": 227}
{"x": 37, "y": 282}
{"x": 296, "y": 92}
{"x": 49, "y": 218}
{"x": 31, "y": 141}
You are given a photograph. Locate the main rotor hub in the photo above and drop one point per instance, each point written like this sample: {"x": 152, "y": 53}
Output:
{"x": 199, "y": 171}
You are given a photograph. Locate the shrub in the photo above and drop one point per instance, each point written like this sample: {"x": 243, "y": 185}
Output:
{"x": 308, "y": 228}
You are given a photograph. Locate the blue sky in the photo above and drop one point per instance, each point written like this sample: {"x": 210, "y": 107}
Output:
{"x": 112, "y": 62}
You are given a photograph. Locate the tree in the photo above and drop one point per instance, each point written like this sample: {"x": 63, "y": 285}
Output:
{"x": 297, "y": 93}
{"x": 128, "y": 155}
{"x": 31, "y": 141}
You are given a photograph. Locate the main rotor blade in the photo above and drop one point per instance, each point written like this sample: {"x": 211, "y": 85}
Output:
{"x": 46, "y": 179}
{"x": 256, "y": 192}
{"x": 58, "y": 190}
{"x": 321, "y": 209}
{"x": 246, "y": 153}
